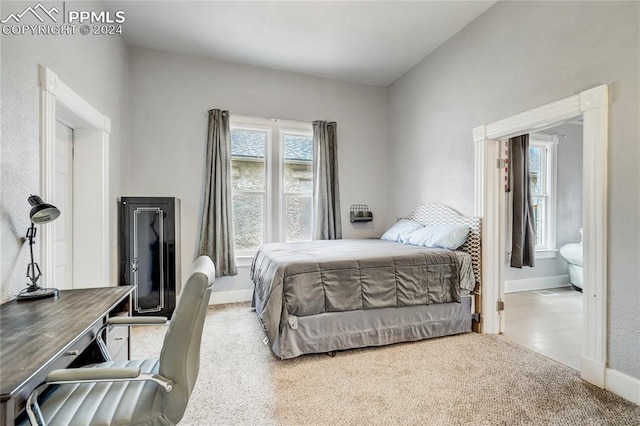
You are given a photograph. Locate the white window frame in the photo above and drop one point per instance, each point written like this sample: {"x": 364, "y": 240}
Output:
{"x": 549, "y": 143}
{"x": 255, "y": 126}
{"x": 274, "y": 214}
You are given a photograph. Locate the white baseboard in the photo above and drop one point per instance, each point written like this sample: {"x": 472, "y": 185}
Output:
{"x": 625, "y": 386}
{"x": 232, "y": 296}
{"x": 592, "y": 371}
{"x": 542, "y": 283}
{"x": 597, "y": 373}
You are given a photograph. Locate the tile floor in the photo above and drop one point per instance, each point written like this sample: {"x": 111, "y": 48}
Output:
{"x": 548, "y": 322}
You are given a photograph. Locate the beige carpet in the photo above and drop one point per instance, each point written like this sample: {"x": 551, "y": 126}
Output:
{"x": 468, "y": 379}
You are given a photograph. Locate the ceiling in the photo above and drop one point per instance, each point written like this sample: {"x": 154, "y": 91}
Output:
{"x": 371, "y": 42}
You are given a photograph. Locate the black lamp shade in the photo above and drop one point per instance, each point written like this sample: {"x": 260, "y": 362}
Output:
{"x": 41, "y": 211}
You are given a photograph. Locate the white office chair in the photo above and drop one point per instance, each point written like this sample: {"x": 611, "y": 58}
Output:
{"x": 146, "y": 392}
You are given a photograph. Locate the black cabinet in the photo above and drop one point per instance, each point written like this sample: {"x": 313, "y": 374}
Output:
{"x": 149, "y": 230}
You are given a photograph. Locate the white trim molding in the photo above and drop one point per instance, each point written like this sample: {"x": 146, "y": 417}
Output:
{"x": 487, "y": 196}
{"x": 535, "y": 120}
{"x": 592, "y": 370}
{"x": 91, "y": 184}
{"x": 623, "y": 385}
{"x": 547, "y": 254}
{"x": 232, "y": 296}
{"x": 244, "y": 261}
{"x": 592, "y": 105}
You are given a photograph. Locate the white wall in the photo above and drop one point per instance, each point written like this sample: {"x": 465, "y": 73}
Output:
{"x": 95, "y": 67}
{"x": 514, "y": 57}
{"x": 171, "y": 94}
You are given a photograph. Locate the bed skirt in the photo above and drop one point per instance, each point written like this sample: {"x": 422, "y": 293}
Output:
{"x": 333, "y": 331}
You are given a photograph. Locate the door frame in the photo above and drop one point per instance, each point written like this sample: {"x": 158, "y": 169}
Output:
{"x": 91, "y": 129}
{"x": 63, "y": 208}
{"x": 593, "y": 106}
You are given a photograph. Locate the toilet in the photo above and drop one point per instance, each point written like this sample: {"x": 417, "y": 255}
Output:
{"x": 572, "y": 253}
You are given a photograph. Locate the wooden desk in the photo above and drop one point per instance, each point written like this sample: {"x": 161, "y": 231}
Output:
{"x": 39, "y": 336}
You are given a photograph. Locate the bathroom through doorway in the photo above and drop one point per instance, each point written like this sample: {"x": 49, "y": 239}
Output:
{"x": 543, "y": 303}
{"x": 592, "y": 106}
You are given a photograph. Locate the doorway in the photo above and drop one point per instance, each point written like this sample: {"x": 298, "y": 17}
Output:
{"x": 543, "y": 304}
{"x": 74, "y": 172}
{"x": 63, "y": 199}
{"x": 592, "y": 106}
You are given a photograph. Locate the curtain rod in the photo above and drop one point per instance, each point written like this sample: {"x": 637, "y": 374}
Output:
{"x": 266, "y": 118}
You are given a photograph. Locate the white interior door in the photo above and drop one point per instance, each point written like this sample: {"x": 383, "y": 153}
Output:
{"x": 63, "y": 200}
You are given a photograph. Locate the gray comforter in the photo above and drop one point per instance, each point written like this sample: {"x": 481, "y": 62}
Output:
{"x": 307, "y": 278}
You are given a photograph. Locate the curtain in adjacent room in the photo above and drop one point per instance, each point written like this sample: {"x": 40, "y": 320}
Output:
{"x": 326, "y": 195}
{"x": 216, "y": 233}
{"x": 523, "y": 236}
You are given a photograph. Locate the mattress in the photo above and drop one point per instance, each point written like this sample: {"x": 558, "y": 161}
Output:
{"x": 296, "y": 280}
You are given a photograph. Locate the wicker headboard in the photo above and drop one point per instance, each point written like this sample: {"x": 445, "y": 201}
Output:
{"x": 439, "y": 214}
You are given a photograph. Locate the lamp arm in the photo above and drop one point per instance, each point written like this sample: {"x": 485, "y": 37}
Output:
{"x": 33, "y": 270}
{"x": 31, "y": 235}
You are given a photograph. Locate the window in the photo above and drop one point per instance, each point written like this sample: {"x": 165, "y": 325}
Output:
{"x": 249, "y": 187}
{"x": 272, "y": 182}
{"x": 298, "y": 186}
{"x": 542, "y": 170}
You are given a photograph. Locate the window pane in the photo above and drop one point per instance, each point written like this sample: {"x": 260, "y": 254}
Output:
{"x": 248, "y": 221}
{"x": 247, "y": 164}
{"x": 538, "y": 215}
{"x": 298, "y": 218}
{"x": 536, "y": 169}
{"x": 298, "y": 160}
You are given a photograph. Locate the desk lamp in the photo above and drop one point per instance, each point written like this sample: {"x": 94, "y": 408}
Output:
{"x": 41, "y": 213}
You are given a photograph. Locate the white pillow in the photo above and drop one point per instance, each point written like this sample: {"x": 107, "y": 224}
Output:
{"x": 401, "y": 230}
{"x": 440, "y": 236}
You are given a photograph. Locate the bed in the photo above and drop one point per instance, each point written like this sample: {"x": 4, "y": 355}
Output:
{"x": 325, "y": 296}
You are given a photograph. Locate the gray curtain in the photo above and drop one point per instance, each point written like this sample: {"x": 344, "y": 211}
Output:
{"x": 326, "y": 195}
{"x": 523, "y": 236}
{"x": 216, "y": 233}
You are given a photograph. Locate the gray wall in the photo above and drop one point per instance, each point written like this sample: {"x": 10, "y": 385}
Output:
{"x": 170, "y": 97}
{"x": 95, "y": 67}
{"x": 568, "y": 204}
{"x": 544, "y": 268}
{"x": 514, "y": 57}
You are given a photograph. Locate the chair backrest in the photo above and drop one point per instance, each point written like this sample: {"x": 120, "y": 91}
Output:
{"x": 180, "y": 355}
